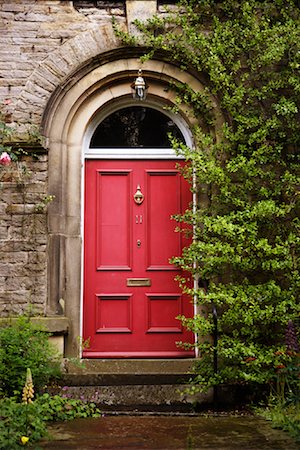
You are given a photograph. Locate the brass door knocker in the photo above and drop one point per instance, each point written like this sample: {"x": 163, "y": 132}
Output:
{"x": 138, "y": 196}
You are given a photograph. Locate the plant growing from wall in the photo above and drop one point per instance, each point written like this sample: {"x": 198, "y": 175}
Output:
{"x": 246, "y": 223}
{"x": 23, "y": 198}
{"x": 13, "y": 168}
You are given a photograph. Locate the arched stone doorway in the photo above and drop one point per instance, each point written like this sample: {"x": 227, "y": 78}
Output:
{"x": 69, "y": 122}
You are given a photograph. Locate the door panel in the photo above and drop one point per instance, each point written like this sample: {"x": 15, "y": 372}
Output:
{"x": 163, "y": 195}
{"x": 131, "y": 299}
{"x": 113, "y": 209}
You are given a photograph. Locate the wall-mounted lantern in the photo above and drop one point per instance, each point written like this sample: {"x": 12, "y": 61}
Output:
{"x": 139, "y": 87}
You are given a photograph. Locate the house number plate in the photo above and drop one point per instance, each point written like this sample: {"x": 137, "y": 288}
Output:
{"x": 134, "y": 282}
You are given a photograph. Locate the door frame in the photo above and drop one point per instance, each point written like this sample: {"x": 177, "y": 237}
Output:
{"x": 130, "y": 153}
{"x": 101, "y": 83}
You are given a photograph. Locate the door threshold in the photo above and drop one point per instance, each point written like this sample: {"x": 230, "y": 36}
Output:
{"x": 132, "y": 366}
{"x": 138, "y": 355}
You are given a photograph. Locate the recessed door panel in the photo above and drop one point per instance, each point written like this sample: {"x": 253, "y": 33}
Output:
{"x": 113, "y": 220}
{"x": 163, "y": 194}
{"x": 107, "y": 321}
{"x": 131, "y": 297}
{"x": 162, "y": 312}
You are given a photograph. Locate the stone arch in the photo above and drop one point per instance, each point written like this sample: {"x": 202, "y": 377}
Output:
{"x": 66, "y": 120}
{"x": 60, "y": 66}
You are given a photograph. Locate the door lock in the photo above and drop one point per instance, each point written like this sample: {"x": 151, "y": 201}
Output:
{"x": 138, "y": 243}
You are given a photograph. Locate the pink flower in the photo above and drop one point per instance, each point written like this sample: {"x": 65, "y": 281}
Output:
{"x": 5, "y": 159}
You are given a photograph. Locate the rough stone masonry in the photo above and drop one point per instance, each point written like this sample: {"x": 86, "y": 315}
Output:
{"x": 42, "y": 42}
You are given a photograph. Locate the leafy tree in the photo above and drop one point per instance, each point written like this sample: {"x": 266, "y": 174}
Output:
{"x": 246, "y": 222}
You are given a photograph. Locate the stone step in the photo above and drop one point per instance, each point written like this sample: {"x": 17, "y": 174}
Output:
{"x": 91, "y": 379}
{"x": 132, "y": 384}
{"x": 130, "y": 366}
{"x": 127, "y": 372}
{"x": 159, "y": 397}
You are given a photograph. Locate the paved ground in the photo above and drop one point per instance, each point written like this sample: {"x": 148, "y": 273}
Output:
{"x": 168, "y": 433}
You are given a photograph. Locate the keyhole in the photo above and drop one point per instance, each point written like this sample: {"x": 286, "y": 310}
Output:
{"x": 138, "y": 243}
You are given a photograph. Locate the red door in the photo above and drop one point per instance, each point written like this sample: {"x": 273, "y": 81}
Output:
{"x": 131, "y": 299}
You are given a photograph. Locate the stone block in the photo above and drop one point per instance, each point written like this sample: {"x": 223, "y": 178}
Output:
{"x": 52, "y": 324}
{"x": 139, "y": 10}
{"x": 33, "y": 99}
{"x": 33, "y": 17}
{"x": 2, "y": 208}
{"x": 117, "y": 12}
{"x": 21, "y": 245}
{"x": 13, "y": 257}
{"x": 19, "y": 74}
{"x": 24, "y": 27}
{"x": 58, "y": 343}
{"x": 12, "y": 269}
{"x": 13, "y": 7}
{"x": 3, "y": 232}
{"x": 16, "y": 283}
{"x": 7, "y": 16}
{"x": 85, "y": 45}
{"x": 20, "y": 209}
{"x": 37, "y": 257}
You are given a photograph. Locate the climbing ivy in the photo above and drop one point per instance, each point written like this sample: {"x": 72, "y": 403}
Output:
{"x": 246, "y": 246}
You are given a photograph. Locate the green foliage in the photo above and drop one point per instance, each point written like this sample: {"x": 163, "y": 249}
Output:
{"x": 284, "y": 417}
{"x": 247, "y": 176}
{"x": 24, "y": 344}
{"x": 54, "y": 408}
{"x": 17, "y": 420}
{"x": 29, "y": 420}
{"x": 42, "y": 205}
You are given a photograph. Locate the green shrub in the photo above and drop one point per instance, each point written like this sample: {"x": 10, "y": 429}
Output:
{"x": 53, "y": 408}
{"x": 244, "y": 166}
{"x": 17, "y": 420}
{"x": 22, "y": 345}
{"x": 29, "y": 419}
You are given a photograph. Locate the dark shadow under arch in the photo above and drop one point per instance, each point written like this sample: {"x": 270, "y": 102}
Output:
{"x": 136, "y": 126}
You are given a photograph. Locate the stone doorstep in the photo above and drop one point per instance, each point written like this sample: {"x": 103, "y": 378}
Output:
{"x": 160, "y": 367}
{"x": 124, "y": 379}
{"x": 155, "y": 385}
{"x": 132, "y": 384}
{"x": 154, "y": 397}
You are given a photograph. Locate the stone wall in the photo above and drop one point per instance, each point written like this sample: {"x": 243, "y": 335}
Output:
{"x": 23, "y": 237}
{"x": 41, "y": 42}
{"x": 43, "y": 45}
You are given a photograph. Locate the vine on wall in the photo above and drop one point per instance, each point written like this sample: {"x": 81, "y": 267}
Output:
{"x": 246, "y": 223}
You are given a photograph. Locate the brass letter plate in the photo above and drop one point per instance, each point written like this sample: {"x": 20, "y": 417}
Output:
{"x": 134, "y": 282}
